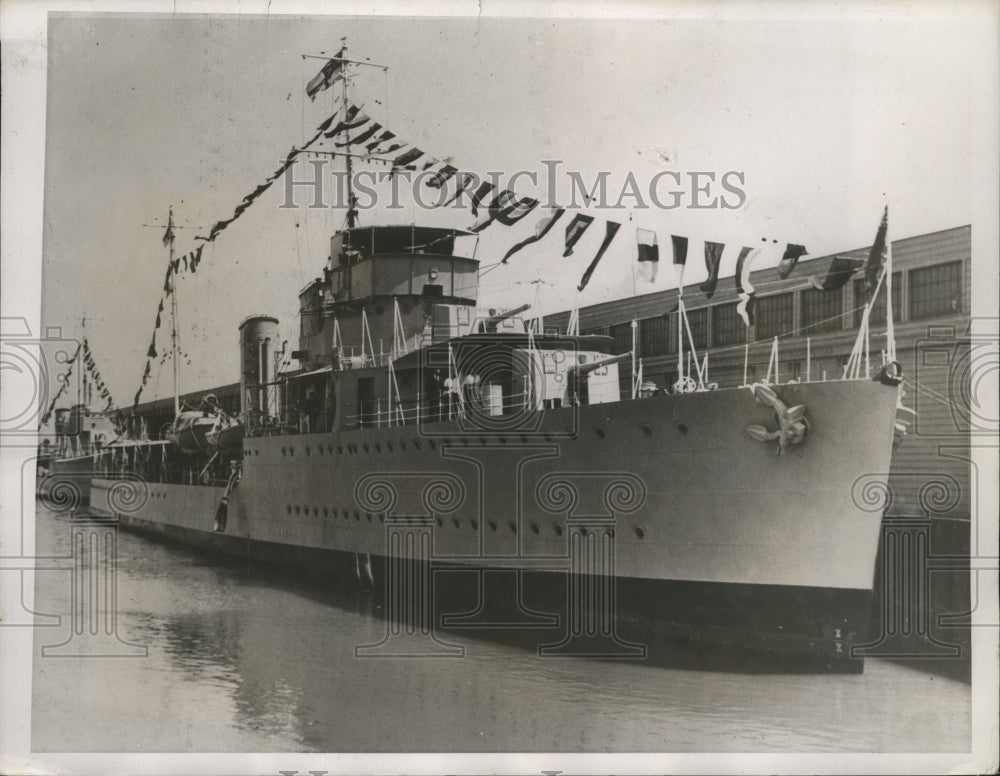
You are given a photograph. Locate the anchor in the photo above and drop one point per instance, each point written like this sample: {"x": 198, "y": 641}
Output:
{"x": 222, "y": 513}
{"x": 792, "y": 422}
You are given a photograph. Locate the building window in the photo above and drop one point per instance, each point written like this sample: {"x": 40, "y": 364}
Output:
{"x": 877, "y": 314}
{"x": 698, "y": 323}
{"x": 936, "y": 290}
{"x": 622, "y": 335}
{"x": 822, "y": 310}
{"x": 654, "y": 336}
{"x": 774, "y": 316}
{"x": 727, "y": 326}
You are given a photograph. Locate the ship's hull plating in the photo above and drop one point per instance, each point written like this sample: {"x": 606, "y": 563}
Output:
{"x": 707, "y": 533}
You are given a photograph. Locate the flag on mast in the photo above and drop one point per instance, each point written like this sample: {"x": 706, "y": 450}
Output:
{"x": 680, "y": 245}
{"x": 168, "y": 236}
{"x": 541, "y": 229}
{"x": 353, "y": 118}
{"x": 876, "y": 257}
{"x": 328, "y": 75}
{"x": 575, "y": 230}
{"x": 790, "y": 259}
{"x": 840, "y": 271}
{"x": 649, "y": 254}
{"x": 747, "y": 304}
{"x": 609, "y": 234}
{"x": 505, "y": 208}
{"x": 713, "y": 257}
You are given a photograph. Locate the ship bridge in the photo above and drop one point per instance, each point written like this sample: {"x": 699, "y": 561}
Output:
{"x": 383, "y": 283}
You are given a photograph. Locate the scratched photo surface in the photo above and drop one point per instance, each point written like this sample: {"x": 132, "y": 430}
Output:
{"x": 509, "y": 385}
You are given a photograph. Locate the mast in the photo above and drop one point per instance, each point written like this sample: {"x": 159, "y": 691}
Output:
{"x": 81, "y": 386}
{"x": 351, "y": 213}
{"x": 890, "y": 326}
{"x": 169, "y": 238}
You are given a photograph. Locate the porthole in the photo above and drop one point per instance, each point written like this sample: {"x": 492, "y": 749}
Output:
{"x": 340, "y": 449}
{"x": 475, "y": 524}
{"x": 640, "y": 532}
{"x": 647, "y": 431}
{"x": 297, "y": 509}
{"x": 307, "y": 450}
{"x": 378, "y": 447}
{"x": 682, "y": 428}
{"x": 457, "y": 522}
{"x": 326, "y": 511}
{"x": 388, "y": 446}
{"x": 402, "y": 444}
{"x": 284, "y": 451}
{"x": 315, "y": 511}
{"x": 319, "y": 449}
{"x": 381, "y": 518}
{"x": 493, "y": 525}
{"x": 367, "y": 448}
{"x": 431, "y": 443}
{"x": 291, "y": 451}
{"x": 357, "y": 515}
{"x": 600, "y": 433}
{"x": 416, "y": 444}
{"x": 513, "y": 527}
{"x": 558, "y": 529}
{"x": 369, "y": 516}
{"x": 534, "y": 528}
{"x": 440, "y": 523}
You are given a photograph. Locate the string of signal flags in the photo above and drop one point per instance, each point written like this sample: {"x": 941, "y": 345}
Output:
{"x": 90, "y": 365}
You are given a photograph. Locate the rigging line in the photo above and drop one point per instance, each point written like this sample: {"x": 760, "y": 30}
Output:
{"x": 938, "y": 397}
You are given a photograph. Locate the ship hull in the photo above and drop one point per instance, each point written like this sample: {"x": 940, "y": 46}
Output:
{"x": 706, "y": 533}
{"x": 757, "y": 627}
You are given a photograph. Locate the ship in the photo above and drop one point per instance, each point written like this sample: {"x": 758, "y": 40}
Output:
{"x": 65, "y": 469}
{"x": 478, "y": 471}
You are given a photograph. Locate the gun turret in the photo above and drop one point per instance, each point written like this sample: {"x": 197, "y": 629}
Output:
{"x": 583, "y": 369}
{"x": 496, "y": 318}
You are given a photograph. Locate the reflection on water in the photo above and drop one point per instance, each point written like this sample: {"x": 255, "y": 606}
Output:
{"x": 244, "y": 660}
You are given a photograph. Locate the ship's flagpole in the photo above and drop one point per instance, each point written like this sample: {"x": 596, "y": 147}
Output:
{"x": 680, "y": 338}
{"x": 635, "y": 348}
{"x": 890, "y": 329}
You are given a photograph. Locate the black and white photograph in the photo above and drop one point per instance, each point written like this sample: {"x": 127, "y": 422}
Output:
{"x": 499, "y": 388}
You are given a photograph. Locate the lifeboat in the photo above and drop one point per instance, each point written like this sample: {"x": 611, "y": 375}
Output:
{"x": 190, "y": 429}
{"x": 226, "y": 434}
